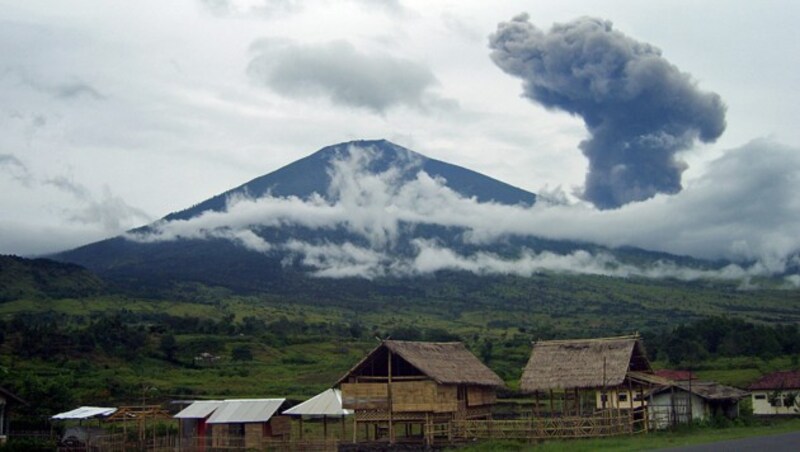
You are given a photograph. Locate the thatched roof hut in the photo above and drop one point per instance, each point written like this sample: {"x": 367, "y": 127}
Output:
{"x": 444, "y": 362}
{"x": 424, "y": 384}
{"x": 583, "y": 363}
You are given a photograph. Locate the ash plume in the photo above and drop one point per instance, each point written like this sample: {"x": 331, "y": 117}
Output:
{"x": 638, "y": 107}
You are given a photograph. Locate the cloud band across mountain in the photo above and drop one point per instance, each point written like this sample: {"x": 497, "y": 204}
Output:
{"x": 384, "y": 219}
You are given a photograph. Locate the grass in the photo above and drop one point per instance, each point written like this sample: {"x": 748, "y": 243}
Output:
{"x": 658, "y": 440}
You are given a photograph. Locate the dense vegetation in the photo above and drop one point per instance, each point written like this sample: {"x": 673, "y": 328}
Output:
{"x": 37, "y": 278}
{"x": 107, "y": 347}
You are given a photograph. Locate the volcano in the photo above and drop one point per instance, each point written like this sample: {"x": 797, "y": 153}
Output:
{"x": 362, "y": 209}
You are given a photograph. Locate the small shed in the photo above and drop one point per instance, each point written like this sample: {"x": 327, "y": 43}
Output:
{"x": 417, "y": 385}
{"x": 615, "y": 370}
{"x": 79, "y": 436}
{"x": 242, "y": 423}
{"x": 325, "y": 405}
{"x": 683, "y": 401}
{"x": 7, "y": 400}
{"x": 777, "y": 393}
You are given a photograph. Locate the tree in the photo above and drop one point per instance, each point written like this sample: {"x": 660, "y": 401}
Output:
{"x": 168, "y": 346}
{"x": 486, "y": 350}
{"x": 242, "y": 353}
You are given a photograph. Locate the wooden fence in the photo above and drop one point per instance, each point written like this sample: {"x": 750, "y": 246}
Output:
{"x": 543, "y": 428}
{"x": 454, "y": 431}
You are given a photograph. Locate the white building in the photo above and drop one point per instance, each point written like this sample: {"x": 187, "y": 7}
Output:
{"x": 777, "y": 393}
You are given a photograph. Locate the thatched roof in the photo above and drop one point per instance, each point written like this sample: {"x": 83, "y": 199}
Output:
{"x": 444, "y": 362}
{"x": 583, "y": 363}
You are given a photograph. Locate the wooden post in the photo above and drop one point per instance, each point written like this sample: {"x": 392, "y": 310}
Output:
{"x": 536, "y": 404}
{"x": 325, "y": 426}
{"x": 690, "y": 396}
{"x": 604, "y": 394}
{"x": 577, "y": 403}
{"x": 645, "y": 409}
{"x": 673, "y": 420}
{"x": 389, "y": 393}
{"x": 630, "y": 404}
{"x": 355, "y": 427}
{"x": 344, "y": 430}
{"x": 301, "y": 426}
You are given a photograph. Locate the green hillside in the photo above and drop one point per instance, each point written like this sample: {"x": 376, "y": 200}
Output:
{"x": 44, "y": 278}
{"x": 116, "y": 348}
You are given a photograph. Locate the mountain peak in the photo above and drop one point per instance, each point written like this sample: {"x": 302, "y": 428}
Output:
{"x": 311, "y": 175}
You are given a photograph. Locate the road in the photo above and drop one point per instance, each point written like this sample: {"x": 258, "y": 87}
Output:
{"x": 785, "y": 442}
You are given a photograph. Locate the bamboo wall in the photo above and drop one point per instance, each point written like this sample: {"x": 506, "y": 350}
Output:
{"x": 365, "y": 396}
{"x": 481, "y": 395}
{"x": 280, "y": 426}
{"x": 252, "y": 435}
{"x": 407, "y": 396}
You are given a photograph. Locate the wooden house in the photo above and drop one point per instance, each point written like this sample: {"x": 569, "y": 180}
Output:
{"x": 777, "y": 393}
{"x": 7, "y": 400}
{"x": 235, "y": 423}
{"x": 401, "y": 386}
{"x": 687, "y": 400}
{"x": 575, "y": 377}
{"x": 80, "y": 435}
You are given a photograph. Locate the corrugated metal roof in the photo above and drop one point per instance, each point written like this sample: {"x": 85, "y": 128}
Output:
{"x": 199, "y": 409}
{"x": 86, "y": 412}
{"x": 327, "y": 403}
{"x": 245, "y": 410}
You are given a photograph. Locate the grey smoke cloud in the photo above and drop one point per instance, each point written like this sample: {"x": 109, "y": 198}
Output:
{"x": 339, "y": 72}
{"x": 638, "y": 107}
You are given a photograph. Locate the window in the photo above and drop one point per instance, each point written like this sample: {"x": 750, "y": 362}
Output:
{"x": 623, "y": 397}
{"x": 776, "y": 401}
{"x": 604, "y": 398}
{"x": 760, "y": 396}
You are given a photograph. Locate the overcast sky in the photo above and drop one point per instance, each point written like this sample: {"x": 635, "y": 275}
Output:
{"x": 114, "y": 114}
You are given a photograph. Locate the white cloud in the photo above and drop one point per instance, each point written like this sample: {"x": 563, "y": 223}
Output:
{"x": 338, "y": 71}
{"x": 378, "y": 207}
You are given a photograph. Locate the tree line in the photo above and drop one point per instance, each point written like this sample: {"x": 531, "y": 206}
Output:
{"x": 691, "y": 343}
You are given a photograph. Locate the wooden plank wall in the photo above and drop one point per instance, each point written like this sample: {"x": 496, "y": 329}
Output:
{"x": 481, "y": 395}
